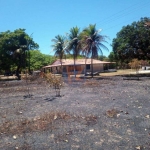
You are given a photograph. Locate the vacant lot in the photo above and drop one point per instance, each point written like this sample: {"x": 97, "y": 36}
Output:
{"x": 105, "y": 113}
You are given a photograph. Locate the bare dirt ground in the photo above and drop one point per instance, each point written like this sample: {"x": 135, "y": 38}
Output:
{"x": 105, "y": 113}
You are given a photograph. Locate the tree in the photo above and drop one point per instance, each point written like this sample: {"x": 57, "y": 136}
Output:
{"x": 5, "y": 54}
{"x": 38, "y": 60}
{"x": 74, "y": 44}
{"x": 70, "y": 56}
{"x": 13, "y": 48}
{"x": 59, "y": 47}
{"x": 92, "y": 43}
{"x": 103, "y": 58}
{"x": 133, "y": 41}
{"x": 111, "y": 57}
{"x": 135, "y": 64}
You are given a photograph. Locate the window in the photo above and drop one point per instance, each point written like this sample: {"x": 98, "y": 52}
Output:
{"x": 87, "y": 66}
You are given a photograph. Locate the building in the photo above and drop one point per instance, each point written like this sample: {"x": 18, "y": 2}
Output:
{"x": 147, "y": 24}
{"x": 82, "y": 66}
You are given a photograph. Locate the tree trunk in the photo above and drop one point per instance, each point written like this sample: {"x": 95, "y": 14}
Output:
{"x": 85, "y": 67}
{"x": 74, "y": 67}
{"x": 92, "y": 67}
{"x": 17, "y": 72}
{"x": 29, "y": 62}
{"x": 18, "y": 68}
{"x": 61, "y": 68}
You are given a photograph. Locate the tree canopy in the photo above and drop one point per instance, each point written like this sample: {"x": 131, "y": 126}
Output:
{"x": 133, "y": 41}
{"x": 16, "y": 46}
{"x": 59, "y": 47}
{"x": 74, "y": 44}
{"x": 13, "y": 47}
{"x": 38, "y": 60}
{"x": 92, "y": 43}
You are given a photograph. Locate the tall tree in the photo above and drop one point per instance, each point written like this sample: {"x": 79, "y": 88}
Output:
{"x": 132, "y": 41}
{"x": 59, "y": 47}
{"x": 92, "y": 43}
{"x": 111, "y": 57}
{"x": 74, "y": 44}
{"x": 13, "y": 48}
{"x": 38, "y": 60}
{"x": 103, "y": 58}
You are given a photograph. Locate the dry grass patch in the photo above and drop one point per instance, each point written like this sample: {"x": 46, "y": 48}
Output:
{"x": 112, "y": 113}
{"x": 91, "y": 120}
{"x": 40, "y": 123}
{"x": 91, "y": 83}
{"x": 118, "y": 72}
{"x": 25, "y": 146}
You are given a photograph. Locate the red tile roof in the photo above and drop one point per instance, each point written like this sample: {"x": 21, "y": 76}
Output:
{"x": 68, "y": 62}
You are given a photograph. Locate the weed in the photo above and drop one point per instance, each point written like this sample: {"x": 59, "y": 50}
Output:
{"x": 111, "y": 113}
{"x": 91, "y": 83}
{"x": 40, "y": 123}
{"x": 91, "y": 120}
{"x": 53, "y": 81}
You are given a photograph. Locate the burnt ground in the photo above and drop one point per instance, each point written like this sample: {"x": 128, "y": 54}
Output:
{"x": 105, "y": 113}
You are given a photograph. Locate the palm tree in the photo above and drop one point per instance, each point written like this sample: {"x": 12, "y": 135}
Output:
{"x": 59, "y": 48}
{"x": 74, "y": 44}
{"x": 92, "y": 43}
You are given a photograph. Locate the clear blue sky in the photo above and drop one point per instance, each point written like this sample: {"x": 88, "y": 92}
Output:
{"x": 48, "y": 18}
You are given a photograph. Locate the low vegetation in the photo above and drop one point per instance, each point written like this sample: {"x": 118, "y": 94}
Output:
{"x": 53, "y": 81}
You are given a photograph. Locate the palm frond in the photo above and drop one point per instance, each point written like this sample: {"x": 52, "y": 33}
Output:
{"x": 92, "y": 41}
{"x": 59, "y": 46}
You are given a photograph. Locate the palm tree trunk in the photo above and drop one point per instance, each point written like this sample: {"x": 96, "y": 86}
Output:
{"x": 61, "y": 68}
{"x": 92, "y": 67}
{"x": 85, "y": 68}
{"x": 85, "y": 63}
{"x": 74, "y": 67}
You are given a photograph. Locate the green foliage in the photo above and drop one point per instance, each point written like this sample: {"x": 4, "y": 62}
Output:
{"x": 70, "y": 56}
{"x": 74, "y": 44}
{"x": 38, "y": 60}
{"x": 111, "y": 57}
{"x": 103, "y": 58}
{"x": 92, "y": 43}
{"x": 13, "y": 48}
{"x": 59, "y": 47}
{"x": 133, "y": 41}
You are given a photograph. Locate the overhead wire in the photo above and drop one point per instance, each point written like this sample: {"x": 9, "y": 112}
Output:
{"x": 119, "y": 12}
{"x": 107, "y": 20}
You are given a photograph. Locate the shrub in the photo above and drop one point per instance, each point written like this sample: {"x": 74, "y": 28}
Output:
{"x": 53, "y": 81}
